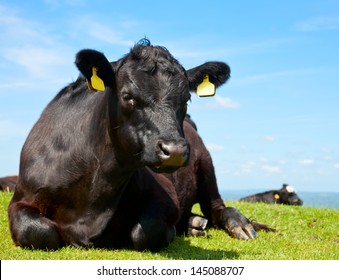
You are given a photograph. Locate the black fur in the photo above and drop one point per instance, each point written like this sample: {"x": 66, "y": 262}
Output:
{"x": 119, "y": 166}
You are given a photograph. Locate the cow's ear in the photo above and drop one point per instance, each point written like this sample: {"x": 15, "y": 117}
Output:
{"x": 96, "y": 69}
{"x": 215, "y": 73}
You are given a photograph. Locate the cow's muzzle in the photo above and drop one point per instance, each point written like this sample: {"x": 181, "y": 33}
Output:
{"x": 171, "y": 155}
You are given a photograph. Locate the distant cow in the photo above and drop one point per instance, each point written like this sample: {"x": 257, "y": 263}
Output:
{"x": 100, "y": 168}
{"x": 7, "y": 184}
{"x": 286, "y": 195}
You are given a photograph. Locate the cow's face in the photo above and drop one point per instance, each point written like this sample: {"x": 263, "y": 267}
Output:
{"x": 148, "y": 104}
{"x": 152, "y": 96}
{"x": 289, "y": 196}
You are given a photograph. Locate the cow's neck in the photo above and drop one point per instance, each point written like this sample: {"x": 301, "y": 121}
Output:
{"x": 112, "y": 162}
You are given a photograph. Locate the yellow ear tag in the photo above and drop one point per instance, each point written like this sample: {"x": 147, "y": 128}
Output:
{"x": 206, "y": 88}
{"x": 96, "y": 83}
{"x": 276, "y": 196}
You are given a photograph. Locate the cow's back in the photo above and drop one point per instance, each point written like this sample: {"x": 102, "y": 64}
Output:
{"x": 266, "y": 197}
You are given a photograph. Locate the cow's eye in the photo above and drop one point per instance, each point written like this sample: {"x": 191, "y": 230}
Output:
{"x": 126, "y": 96}
{"x": 128, "y": 101}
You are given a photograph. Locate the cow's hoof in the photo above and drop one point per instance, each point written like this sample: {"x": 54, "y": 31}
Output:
{"x": 196, "y": 232}
{"x": 197, "y": 222}
{"x": 238, "y": 225}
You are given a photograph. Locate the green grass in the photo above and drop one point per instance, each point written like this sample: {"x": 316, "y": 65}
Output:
{"x": 302, "y": 234}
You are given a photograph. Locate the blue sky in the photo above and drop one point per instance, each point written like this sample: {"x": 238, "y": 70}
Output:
{"x": 275, "y": 121}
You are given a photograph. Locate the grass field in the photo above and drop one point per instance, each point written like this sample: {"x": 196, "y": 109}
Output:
{"x": 302, "y": 234}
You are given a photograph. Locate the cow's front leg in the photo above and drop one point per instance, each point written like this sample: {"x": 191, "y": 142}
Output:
{"x": 31, "y": 229}
{"x": 158, "y": 212}
{"x": 152, "y": 234}
{"x": 237, "y": 225}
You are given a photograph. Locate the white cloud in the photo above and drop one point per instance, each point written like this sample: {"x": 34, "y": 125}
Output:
{"x": 28, "y": 44}
{"x": 306, "y": 161}
{"x": 106, "y": 34}
{"x": 336, "y": 166}
{"x": 269, "y": 138}
{"x": 247, "y": 167}
{"x": 226, "y": 102}
{"x": 270, "y": 169}
{"x": 318, "y": 24}
{"x": 9, "y": 129}
{"x": 33, "y": 84}
{"x": 17, "y": 29}
{"x": 214, "y": 147}
{"x": 263, "y": 159}
{"x": 39, "y": 62}
{"x": 214, "y": 102}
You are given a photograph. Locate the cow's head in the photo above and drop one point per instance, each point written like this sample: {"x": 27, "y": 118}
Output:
{"x": 148, "y": 103}
{"x": 287, "y": 195}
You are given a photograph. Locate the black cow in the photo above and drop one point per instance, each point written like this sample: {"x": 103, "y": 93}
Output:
{"x": 286, "y": 195}
{"x": 101, "y": 169}
{"x": 191, "y": 122}
{"x": 8, "y": 183}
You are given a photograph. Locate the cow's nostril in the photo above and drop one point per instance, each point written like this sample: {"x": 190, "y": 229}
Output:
{"x": 173, "y": 154}
{"x": 165, "y": 149}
